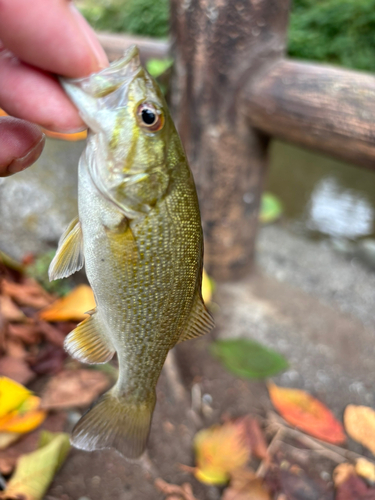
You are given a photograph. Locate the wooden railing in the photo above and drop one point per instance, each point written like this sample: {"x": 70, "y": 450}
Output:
{"x": 232, "y": 89}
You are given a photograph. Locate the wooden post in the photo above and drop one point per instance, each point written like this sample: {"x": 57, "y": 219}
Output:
{"x": 218, "y": 47}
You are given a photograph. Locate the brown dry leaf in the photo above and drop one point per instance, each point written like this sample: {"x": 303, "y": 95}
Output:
{"x": 74, "y": 388}
{"x": 359, "y": 422}
{"x": 342, "y": 473}
{"x": 354, "y": 488}
{"x": 245, "y": 485}
{"x": 72, "y": 307}
{"x": 10, "y": 311}
{"x": 16, "y": 369}
{"x": 28, "y": 293}
{"x": 254, "y": 436}
{"x": 15, "y": 348}
{"x": 220, "y": 450}
{"x": 29, "y": 333}
{"x": 365, "y": 469}
{"x": 52, "y": 334}
{"x": 184, "y": 492}
{"x": 307, "y": 413}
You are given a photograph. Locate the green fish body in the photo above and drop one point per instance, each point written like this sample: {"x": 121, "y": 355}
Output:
{"x": 139, "y": 236}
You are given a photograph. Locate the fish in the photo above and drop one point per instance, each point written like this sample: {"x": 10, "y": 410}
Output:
{"x": 139, "y": 235}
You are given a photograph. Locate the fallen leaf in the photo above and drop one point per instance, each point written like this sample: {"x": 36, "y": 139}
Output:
{"x": 25, "y": 418}
{"x": 9, "y": 310}
{"x": 29, "y": 333}
{"x": 48, "y": 361}
{"x": 74, "y": 388}
{"x": 365, "y": 469}
{"x": 359, "y": 422}
{"x": 245, "y": 485}
{"x": 254, "y": 436}
{"x": 16, "y": 369}
{"x": 354, "y": 488}
{"x": 35, "y": 471}
{"x": 72, "y": 307}
{"x": 15, "y": 348}
{"x": 55, "y": 422}
{"x": 342, "y": 473}
{"x": 219, "y": 450}
{"x": 28, "y": 293}
{"x": 247, "y": 358}
{"x": 12, "y": 395}
{"x": 271, "y": 208}
{"x": 184, "y": 492}
{"x": 207, "y": 287}
{"x": 8, "y": 438}
{"x": 51, "y": 334}
{"x": 300, "y": 409}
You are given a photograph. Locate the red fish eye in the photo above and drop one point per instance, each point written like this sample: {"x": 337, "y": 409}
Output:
{"x": 149, "y": 117}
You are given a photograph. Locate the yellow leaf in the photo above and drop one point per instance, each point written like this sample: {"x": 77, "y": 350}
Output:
{"x": 12, "y": 395}
{"x": 36, "y": 470}
{"x": 25, "y": 418}
{"x": 342, "y": 473}
{"x": 359, "y": 423}
{"x": 219, "y": 450}
{"x": 365, "y": 469}
{"x": 7, "y": 438}
{"x": 72, "y": 307}
{"x": 207, "y": 287}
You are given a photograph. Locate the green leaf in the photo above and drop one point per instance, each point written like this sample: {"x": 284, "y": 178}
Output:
{"x": 36, "y": 470}
{"x": 156, "y": 67}
{"x": 247, "y": 358}
{"x": 271, "y": 208}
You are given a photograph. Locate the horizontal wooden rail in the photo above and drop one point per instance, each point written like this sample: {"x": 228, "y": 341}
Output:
{"x": 324, "y": 108}
{"x": 115, "y": 44}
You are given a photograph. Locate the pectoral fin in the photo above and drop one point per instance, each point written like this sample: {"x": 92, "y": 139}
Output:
{"x": 87, "y": 343}
{"x": 69, "y": 256}
{"x": 200, "y": 321}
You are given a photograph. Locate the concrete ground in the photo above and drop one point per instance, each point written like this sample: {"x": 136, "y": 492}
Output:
{"x": 313, "y": 306}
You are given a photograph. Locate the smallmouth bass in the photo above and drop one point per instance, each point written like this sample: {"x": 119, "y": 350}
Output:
{"x": 139, "y": 236}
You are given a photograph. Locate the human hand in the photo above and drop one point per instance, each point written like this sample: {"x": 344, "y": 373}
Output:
{"x": 38, "y": 40}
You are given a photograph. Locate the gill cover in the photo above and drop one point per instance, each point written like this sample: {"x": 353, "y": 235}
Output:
{"x": 126, "y": 161}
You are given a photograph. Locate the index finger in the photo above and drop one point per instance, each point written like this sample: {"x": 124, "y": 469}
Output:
{"x": 51, "y": 35}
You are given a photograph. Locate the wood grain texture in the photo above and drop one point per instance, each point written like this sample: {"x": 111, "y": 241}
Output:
{"x": 324, "y": 108}
{"x": 218, "y": 47}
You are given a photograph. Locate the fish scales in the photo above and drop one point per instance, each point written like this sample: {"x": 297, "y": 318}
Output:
{"x": 139, "y": 234}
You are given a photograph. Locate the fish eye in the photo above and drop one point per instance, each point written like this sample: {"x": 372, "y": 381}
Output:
{"x": 149, "y": 117}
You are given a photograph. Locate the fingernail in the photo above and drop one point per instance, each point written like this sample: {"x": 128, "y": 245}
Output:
{"x": 96, "y": 49}
{"x": 21, "y": 163}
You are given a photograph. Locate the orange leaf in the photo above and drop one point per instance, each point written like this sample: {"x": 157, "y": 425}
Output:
{"x": 219, "y": 450}
{"x": 307, "y": 413}
{"x": 72, "y": 307}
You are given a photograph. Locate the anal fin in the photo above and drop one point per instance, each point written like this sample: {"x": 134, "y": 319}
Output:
{"x": 87, "y": 343}
{"x": 200, "y": 321}
{"x": 69, "y": 256}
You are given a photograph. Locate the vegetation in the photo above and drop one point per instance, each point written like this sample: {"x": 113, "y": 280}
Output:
{"x": 339, "y": 32}
{"x": 140, "y": 17}
{"x": 335, "y": 31}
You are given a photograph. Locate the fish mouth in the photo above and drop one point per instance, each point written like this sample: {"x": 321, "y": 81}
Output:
{"x": 119, "y": 73}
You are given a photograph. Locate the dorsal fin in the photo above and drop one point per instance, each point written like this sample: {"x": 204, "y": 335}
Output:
{"x": 69, "y": 256}
{"x": 200, "y": 321}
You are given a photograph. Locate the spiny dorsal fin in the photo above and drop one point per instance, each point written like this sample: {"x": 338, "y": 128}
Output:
{"x": 69, "y": 256}
{"x": 200, "y": 321}
{"x": 87, "y": 343}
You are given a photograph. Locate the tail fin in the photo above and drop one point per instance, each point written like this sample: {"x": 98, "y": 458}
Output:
{"x": 115, "y": 422}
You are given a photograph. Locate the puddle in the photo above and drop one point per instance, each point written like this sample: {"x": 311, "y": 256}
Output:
{"x": 322, "y": 197}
